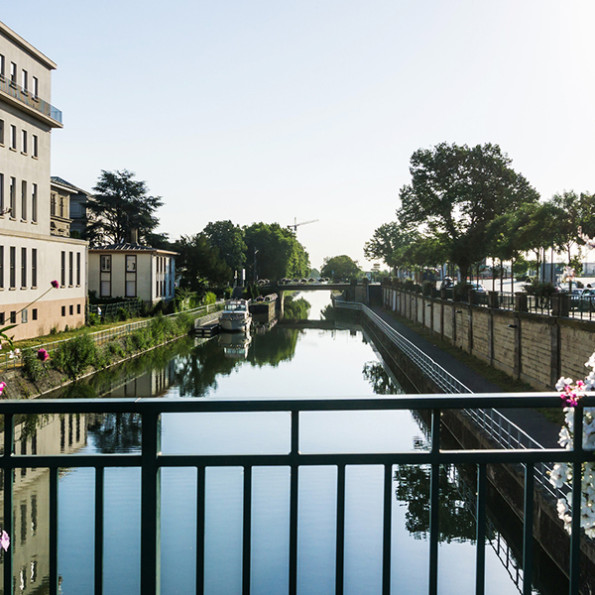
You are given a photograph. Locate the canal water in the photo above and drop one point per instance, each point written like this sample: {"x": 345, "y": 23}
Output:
{"x": 280, "y": 361}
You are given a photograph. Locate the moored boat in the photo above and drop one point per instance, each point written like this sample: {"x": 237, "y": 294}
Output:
{"x": 235, "y": 316}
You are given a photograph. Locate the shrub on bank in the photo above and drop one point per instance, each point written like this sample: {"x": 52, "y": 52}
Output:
{"x": 75, "y": 356}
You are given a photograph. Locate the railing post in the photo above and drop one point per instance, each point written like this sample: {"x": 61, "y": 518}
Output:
{"x": 434, "y": 504}
{"x": 293, "y": 502}
{"x": 150, "y": 495}
{"x": 577, "y": 480}
{"x": 528, "y": 530}
{"x": 8, "y": 472}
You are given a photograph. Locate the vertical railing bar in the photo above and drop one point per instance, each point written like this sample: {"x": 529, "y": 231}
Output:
{"x": 575, "y": 534}
{"x": 8, "y": 471}
{"x": 387, "y": 527}
{"x": 528, "y": 529}
{"x": 99, "y": 506}
{"x": 480, "y": 530}
{"x": 340, "y": 542}
{"x": 434, "y": 495}
{"x": 200, "y": 530}
{"x": 149, "y": 498}
{"x": 53, "y": 529}
{"x": 293, "y": 502}
{"x": 247, "y": 530}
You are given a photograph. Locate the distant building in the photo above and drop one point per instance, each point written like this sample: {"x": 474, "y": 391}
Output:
{"x": 32, "y": 252}
{"x": 131, "y": 270}
{"x": 77, "y": 200}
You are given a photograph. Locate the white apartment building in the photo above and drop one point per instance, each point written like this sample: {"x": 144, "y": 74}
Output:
{"x": 31, "y": 257}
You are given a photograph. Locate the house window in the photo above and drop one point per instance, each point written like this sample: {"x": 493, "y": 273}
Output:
{"x": 2, "y": 267}
{"x": 12, "y": 190}
{"x": 13, "y": 265}
{"x": 25, "y": 80}
{"x": 78, "y": 269}
{"x": 63, "y": 310}
{"x": 34, "y": 267}
{"x": 131, "y": 264}
{"x": 62, "y": 268}
{"x": 23, "y": 199}
{"x": 70, "y": 268}
{"x": 71, "y": 309}
{"x": 34, "y": 203}
{"x": 106, "y": 263}
{"x": 23, "y": 267}
{"x": 130, "y": 287}
{"x": 106, "y": 288}
{"x": 35, "y": 87}
{"x": 78, "y": 308}
{"x": 24, "y": 141}
{"x": 24, "y": 315}
{"x": 13, "y": 317}
{"x": 35, "y": 146}
{"x": 34, "y": 314}
{"x": 2, "y": 318}
{"x": 13, "y": 137}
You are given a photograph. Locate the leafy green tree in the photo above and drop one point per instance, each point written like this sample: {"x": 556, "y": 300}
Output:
{"x": 273, "y": 252}
{"x": 455, "y": 192}
{"x": 120, "y": 205}
{"x": 199, "y": 264}
{"x": 340, "y": 268}
{"x": 229, "y": 239}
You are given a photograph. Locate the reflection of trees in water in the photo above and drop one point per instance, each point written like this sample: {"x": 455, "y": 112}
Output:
{"x": 296, "y": 309}
{"x": 456, "y": 517}
{"x": 116, "y": 432}
{"x": 378, "y": 377}
{"x": 273, "y": 347}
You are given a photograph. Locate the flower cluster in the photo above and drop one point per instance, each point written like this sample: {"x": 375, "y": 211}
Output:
{"x": 4, "y": 541}
{"x": 43, "y": 355}
{"x": 571, "y": 393}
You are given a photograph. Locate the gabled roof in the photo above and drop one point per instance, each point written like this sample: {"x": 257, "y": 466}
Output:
{"x": 63, "y": 182}
{"x": 129, "y": 247}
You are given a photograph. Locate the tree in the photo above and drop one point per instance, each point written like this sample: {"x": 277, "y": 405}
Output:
{"x": 229, "y": 239}
{"x": 340, "y": 268}
{"x": 199, "y": 264}
{"x": 273, "y": 252}
{"x": 455, "y": 192}
{"x": 121, "y": 204}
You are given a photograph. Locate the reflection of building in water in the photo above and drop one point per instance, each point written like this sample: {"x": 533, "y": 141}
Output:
{"x": 153, "y": 383}
{"x": 37, "y": 434}
{"x": 235, "y": 345}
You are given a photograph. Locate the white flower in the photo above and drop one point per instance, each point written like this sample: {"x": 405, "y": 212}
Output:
{"x": 559, "y": 474}
{"x": 563, "y": 383}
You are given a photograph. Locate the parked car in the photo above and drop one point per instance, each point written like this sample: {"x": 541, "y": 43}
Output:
{"x": 477, "y": 287}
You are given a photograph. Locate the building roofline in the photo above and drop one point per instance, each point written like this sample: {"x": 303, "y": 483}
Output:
{"x": 127, "y": 247}
{"x": 27, "y": 47}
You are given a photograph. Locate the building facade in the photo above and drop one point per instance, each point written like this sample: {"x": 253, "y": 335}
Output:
{"x": 132, "y": 270}
{"x": 31, "y": 256}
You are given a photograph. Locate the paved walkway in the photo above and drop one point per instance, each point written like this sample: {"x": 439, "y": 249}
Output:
{"x": 530, "y": 420}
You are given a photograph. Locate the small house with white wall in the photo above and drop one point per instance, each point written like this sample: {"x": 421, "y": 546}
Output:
{"x": 131, "y": 270}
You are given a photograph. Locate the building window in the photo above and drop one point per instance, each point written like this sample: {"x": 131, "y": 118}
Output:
{"x": 13, "y": 73}
{"x": 1, "y": 132}
{"x": 23, "y": 267}
{"x": 106, "y": 288}
{"x": 13, "y": 137}
{"x": 34, "y": 314}
{"x": 62, "y": 206}
{"x": 2, "y": 318}
{"x": 2, "y": 267}
{"x": 35, "y": 87}
{"x": 12, "y": 191}
{"x": 106, "y": 263}
{"x": 23, "y": 199}
{"x": 62, "y": 268}
{"x": 78, "y": 269}
{"x": 71, "y": 309}
{"x": 35, "y": 146}
{"x": 2, "y": 67}
{"x": 13, "y": 265}
{"x": 34, "y": 267}
{"x": 131, "y": 264}
{"x": 70, "y": 268}
{"x": 24, "y": 141}
{"x": 24, "y": 315}
{"x": 53, "y": 204}
{"x": 78, "y": 308}
{"x": 13, "y": 317}
{"x": 25, "y": 80}
{"x": 1, "y": 194}
{"x": 34, "y": 203}
{"x": 63, "y": 310}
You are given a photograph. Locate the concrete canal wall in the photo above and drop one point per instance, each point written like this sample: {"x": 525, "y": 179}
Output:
{"x": 534, "y": 348}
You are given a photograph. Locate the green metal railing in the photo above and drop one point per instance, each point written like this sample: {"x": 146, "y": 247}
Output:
{"x": 150, "y": 460}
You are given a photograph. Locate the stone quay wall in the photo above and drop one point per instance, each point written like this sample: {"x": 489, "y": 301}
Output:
{"x": 534, "y": 348}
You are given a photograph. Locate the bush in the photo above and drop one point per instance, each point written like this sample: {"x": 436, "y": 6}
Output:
{"x": 210, "y": 298}
{"x": 32, "y": 366}
{"x": 428, "y": 288}
{"x": 75, "y": 356}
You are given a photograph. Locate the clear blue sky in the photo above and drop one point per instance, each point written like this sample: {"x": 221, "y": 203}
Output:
{"x": 266, "y": 110}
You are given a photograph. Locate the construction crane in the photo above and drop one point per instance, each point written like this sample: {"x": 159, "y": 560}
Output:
{"x": 296, "y": 224}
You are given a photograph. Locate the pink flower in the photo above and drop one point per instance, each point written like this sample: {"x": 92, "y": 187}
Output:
{"x": 4, "y": 541}
{"x": 43, "y": 355}
{"x": 55, "y": 284}
{"x": 2, "y": 386}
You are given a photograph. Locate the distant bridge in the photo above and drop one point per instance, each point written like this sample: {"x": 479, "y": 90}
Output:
{"x": 273, "y": 287}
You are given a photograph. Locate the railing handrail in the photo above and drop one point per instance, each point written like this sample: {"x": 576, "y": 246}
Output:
{"x": 27, "y": 97}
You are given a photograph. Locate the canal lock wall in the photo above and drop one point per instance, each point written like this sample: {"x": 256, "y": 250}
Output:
{"x": 506, "y": 480}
